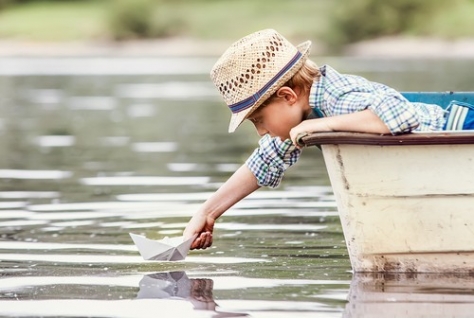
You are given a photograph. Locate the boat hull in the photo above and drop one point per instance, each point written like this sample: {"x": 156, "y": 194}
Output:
{"x": 405, "y": 208}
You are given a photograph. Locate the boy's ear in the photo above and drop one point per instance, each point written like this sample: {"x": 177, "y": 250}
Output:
{"x": 287, "y": 93}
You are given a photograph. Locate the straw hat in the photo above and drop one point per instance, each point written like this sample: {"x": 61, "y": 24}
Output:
{"x": 253, "y": 68}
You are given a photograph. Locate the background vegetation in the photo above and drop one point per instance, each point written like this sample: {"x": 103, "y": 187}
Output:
{"x": 335, "y": 23}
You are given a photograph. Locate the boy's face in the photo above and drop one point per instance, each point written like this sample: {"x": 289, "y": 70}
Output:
{"x": 279, "y": 116}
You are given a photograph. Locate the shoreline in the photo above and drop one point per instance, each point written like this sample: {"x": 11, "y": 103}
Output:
{"x": 387, "y": 47}
{"x": 178, "y": 47}
{"x": 413, "y": 47}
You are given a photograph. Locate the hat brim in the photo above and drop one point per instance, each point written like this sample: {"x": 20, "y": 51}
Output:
{"x": 237, "y": 118}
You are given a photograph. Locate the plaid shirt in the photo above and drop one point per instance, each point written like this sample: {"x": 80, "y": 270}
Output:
{"x": 337, "y": 94}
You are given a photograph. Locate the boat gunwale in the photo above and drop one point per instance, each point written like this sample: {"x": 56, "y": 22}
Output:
{"x": 415, "y": 138}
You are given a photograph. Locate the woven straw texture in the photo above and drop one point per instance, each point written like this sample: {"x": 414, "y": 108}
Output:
{"x": 258, "y": 63}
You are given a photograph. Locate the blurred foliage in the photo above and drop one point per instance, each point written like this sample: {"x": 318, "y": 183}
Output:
{"x": 366, "y": 19}
{"x": 54, "y": 20}
{"x": 331, "y": 23}
{"x": 4, "y": 3}
{"x": 130, "y": 19}
{"x": 42, "y": 20}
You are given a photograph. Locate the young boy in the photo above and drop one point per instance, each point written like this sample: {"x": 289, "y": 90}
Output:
{"x": 265, "y": 79}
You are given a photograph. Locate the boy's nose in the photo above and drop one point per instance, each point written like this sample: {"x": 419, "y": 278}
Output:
{"x": 261, "y": 130}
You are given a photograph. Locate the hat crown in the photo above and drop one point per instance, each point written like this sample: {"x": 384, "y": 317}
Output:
{"x": 249, "y": 64}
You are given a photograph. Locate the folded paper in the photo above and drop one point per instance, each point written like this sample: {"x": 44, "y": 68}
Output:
{"x": 170, "y": 249}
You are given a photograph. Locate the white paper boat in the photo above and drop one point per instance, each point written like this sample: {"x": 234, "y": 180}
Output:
{"x": 170, "y": 249}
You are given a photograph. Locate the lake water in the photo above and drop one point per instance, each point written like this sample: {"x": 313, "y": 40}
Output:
{"x": 96, "y": 148}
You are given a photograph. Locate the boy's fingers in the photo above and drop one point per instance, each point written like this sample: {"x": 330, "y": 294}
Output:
{"x": 196, "y": 243}
{"x": 208, "y": 241}
{"x": 203, "y": 241}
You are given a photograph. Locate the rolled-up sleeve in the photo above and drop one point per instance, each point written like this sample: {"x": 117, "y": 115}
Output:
{"x": 271, "y": 159}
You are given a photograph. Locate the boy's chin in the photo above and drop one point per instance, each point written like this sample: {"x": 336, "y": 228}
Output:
{"x": 284, "y": 138}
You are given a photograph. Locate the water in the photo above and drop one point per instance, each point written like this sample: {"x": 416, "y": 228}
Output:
{"x": 95, "y": 148}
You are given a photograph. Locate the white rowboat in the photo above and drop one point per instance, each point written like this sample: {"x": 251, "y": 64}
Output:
{"x": 406, "y": 202}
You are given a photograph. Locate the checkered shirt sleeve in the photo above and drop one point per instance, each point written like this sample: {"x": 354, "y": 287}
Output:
{"x": 271, "y": 159}
{"x": 392, "y": 109}
{"x": 345, "y": 93}
{"x": 390, "y": 106}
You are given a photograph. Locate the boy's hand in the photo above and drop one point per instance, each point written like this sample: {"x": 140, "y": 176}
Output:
{"x": 309, "y": 126}
{"x": 202, "y": 226}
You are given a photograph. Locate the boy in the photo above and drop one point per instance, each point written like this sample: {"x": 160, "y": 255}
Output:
{"x": 265, "y": 79}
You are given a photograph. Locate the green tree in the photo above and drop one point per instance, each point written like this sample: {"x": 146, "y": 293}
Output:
{"x": 356, "y": 20}
{"x": 142, "y": 19}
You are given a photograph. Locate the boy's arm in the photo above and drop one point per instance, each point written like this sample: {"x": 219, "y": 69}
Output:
{"x": 237, "y": 187}
{"x": 365, "y": 121}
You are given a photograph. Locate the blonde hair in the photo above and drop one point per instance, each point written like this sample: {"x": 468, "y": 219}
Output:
{"x": 303, "y": 79}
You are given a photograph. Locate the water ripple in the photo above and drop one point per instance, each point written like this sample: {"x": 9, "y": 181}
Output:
{"x": 143, "y": 180}
{"x": 55, "y": 140}
{"x": 114, "y": 260}
{"x": 154, "y": 147}
{"x": 34, "y": 174}
{"x": 104, "y": 66}
{"x": 28, "y": 194}
{"x": 168, "y": 90}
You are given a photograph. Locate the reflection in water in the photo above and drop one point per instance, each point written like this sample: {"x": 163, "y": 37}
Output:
{"x": 411, "y": 295}
{"x": 177, "y": 285}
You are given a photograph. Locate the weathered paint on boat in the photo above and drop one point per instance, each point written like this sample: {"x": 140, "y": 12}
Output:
{"x": 406, "y": 202}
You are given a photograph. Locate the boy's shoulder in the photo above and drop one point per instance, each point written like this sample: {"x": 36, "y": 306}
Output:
{"x": 333, "y": 76}
{"x": 336, "y": 82}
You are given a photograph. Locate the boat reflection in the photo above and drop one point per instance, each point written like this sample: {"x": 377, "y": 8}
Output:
{"x": 177, "y": 285}
{"x": 411, "y": 295}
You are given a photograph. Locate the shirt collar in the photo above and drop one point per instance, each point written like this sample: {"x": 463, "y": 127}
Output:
{"x": 316, "y": 94}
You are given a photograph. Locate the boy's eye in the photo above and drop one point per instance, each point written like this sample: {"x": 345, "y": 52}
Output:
{"x": 256, "y": 120}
